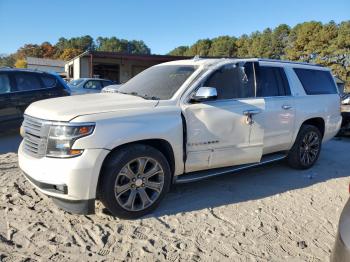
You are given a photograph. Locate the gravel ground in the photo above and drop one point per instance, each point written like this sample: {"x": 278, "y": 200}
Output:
{"x": 271, "y": 213}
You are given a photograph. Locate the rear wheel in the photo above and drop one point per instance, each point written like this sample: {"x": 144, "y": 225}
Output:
{"x": 135, "y": 180}
{"x": 306, "y": 149}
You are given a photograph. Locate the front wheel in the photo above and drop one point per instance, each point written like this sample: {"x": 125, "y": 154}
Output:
{"x": 135, "y": 179}
{"x": 306, "y": 149}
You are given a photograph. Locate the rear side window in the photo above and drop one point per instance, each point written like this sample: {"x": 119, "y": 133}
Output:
{"x": 93, "y": 84}
{"x": 316, "y": 82}
{"x": 27, "y": 82}
{"x": 233, "y": 81}
{"x": 271, "y": 81}
{"x": 48, "y": 81}
{"x": 106, "y": 83}
{"x": 5, "y": 86}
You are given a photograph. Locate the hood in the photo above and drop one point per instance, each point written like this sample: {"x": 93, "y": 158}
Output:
{"x": 69, "y": 107}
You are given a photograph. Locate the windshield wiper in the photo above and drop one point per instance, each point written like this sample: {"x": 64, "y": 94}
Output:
{"x": 142, "y": 96}
{"x": 151, "y": 97}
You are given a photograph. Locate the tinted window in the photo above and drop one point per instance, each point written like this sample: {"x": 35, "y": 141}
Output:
{"x": 316, "y": 82}
{"x": 5, "y": 86}
{"x": 93, "y": 84}
{"x": 158, "y": 81}
{"x": 233, "y": 81}
{"x": 76, "y": 82}
{"x": 27, "y": 81}
{"x": 48, "y": 81}
{"x": 107, "y": 83}
{"x": 271, "y": 81}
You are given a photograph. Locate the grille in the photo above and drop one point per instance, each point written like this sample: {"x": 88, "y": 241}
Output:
{"x": 35, "y": 136}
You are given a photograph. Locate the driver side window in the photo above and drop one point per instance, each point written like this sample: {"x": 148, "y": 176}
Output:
{"x": 233, "y": 81}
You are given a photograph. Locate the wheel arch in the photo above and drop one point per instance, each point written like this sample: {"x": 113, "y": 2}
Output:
{"x": 317, "y": 122}
{"x": 160, "y": 144}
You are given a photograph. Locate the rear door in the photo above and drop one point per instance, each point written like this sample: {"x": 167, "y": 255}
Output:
{"x": 50, "y": 86}
{"x": 273, "y": 87}
{"x": 28, "y": 89}
{"x": 9, "y": 113}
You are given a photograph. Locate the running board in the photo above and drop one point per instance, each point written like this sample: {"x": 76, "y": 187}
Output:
{"x": 199, "y": 175}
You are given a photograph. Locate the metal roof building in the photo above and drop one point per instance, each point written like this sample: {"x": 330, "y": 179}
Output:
{"x": 44, "y": 64}
{"x": 119, "y": 67}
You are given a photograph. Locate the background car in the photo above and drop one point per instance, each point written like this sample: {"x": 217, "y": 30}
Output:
{"x": 88, "y": 85}
{"x": 345, "y": 106}
{"x": 341, "y": 249}
{"x": 110, "y": 89}
{"x": 20, "y": 87}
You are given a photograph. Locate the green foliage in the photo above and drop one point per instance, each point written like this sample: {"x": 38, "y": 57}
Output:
{"x": 325, "y": 44}
{"x": 179, "y": 51}
{"x": 114, "y": 44}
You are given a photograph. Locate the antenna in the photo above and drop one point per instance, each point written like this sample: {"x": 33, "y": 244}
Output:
{"x": 197, "y": 57}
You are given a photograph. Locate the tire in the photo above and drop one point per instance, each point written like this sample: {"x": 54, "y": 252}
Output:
{"x": 134, "y": 181}
{"x": 306, "y": 148}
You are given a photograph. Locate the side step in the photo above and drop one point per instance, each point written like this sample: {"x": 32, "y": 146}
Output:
{"x": 199, "y": 175}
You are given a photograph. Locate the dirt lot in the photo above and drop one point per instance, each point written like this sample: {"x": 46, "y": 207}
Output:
{"x": 270, "y": 213}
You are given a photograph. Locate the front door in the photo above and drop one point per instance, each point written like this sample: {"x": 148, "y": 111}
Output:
{"x": 230, "y": 130}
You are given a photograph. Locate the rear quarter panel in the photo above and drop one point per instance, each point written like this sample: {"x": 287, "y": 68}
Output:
{"x": 325, "y": 106}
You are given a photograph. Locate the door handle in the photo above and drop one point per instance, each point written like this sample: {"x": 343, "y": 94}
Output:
{"x": 251, "y": 112}
{"x": 286, "y": 107}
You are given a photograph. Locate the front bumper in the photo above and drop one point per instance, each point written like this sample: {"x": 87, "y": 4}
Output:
{"x": 70, "y": 179}
{"x": 341, "y": 250}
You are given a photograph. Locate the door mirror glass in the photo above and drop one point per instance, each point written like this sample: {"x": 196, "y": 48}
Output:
{"x": 205, "y": 93}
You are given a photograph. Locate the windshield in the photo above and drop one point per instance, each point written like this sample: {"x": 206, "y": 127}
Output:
{"x": 158, "y": 82}
{"x": 76, "y": 82}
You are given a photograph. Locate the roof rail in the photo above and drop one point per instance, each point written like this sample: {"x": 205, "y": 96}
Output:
{"x": 287, "y": 62}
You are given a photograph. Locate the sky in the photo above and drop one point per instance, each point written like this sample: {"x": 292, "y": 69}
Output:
{"x": 161, "y": 24}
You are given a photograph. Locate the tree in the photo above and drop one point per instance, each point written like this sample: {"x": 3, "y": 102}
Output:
{"x": 70, "y": 53}
{"x": 114, "y": 44}
{"x": 224, "y": 46}
{"x": 201, "y": 48}
{"x": 21, "y": 63}
{"x": 279, "y": 41}
{"x": 179, "y": 51}
{"x": 7, "y": 60}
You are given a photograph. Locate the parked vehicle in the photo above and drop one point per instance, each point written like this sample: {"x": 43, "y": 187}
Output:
{"x": 20, "y": 87}
{"x": 341, "y": 249}
{"x": 177, "y": 122}
{"x": 345, "y": 105}
{"x": 88, "y": 85}
{"x": 110, "y": 89}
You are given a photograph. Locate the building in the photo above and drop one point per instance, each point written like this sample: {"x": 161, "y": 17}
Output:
{"x": 47, "y": 65}
{"x": 118, "y": 67}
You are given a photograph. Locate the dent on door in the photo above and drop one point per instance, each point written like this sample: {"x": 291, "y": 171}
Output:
{"x": 222, "y": 135}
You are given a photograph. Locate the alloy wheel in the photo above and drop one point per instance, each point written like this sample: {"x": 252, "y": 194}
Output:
{"x": 139, "y": 184}
{"x": 309, "y": 148}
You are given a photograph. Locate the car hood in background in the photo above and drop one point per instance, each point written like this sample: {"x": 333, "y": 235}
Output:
{"x": 67, "y": 108}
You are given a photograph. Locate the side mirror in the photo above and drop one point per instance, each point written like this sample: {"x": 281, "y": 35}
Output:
{"x": 205, "y": 93}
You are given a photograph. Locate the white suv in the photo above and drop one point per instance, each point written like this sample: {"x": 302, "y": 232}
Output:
{"x": 173, "y": 123}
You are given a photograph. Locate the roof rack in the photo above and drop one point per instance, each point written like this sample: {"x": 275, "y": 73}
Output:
{"x": 287, "y": 62}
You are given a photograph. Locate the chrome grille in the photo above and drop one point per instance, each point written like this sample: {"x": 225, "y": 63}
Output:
{"x": 35, "y": 136}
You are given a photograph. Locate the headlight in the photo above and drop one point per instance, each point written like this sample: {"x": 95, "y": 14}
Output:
{"x": 62, "y": 137}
